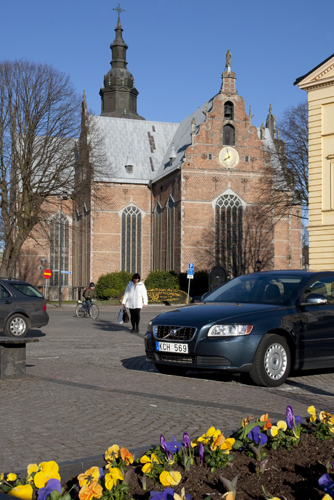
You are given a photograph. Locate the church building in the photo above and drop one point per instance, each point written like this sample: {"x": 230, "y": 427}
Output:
{"x": 160, "y": 195}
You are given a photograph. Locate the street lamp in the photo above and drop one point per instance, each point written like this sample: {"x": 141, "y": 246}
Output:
{"x": 43, "y": 262}
{"x": 62, "y": 197}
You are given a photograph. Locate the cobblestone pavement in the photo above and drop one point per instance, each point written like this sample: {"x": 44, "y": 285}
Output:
{"x": 88, "y": 386}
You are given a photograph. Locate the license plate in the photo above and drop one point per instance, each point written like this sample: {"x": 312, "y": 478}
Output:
{"x": 172, "y": 347}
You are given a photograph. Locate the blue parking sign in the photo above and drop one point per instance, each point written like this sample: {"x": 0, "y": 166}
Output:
{"x": 190, "y": 270}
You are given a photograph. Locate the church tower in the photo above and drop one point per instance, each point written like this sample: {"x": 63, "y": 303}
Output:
{"x": 118, "y": 93}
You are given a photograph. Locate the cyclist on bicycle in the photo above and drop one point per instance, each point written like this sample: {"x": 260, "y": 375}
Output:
{"x": 89, "y": 294}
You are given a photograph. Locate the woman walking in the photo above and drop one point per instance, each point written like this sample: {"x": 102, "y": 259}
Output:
{"x": 135, "y": 296}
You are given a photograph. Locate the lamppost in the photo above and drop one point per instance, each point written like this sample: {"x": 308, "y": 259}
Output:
{"x": 63, "y": 197}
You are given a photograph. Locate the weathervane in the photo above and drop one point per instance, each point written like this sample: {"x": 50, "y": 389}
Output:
{"x": 119, "y": 10}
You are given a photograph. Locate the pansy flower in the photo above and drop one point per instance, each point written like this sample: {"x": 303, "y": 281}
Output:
{"x": 149, "y": 462}
{"x": 112, "y": 453}
{"x": 182, "y": 496}
{"x": 11, "y": 477}
{"x": 126, "y": 456}
{"x": 90, "y": 476}
{"x": 326, "y": 484}
{"x": 245, "y": 421}
{"x": 173, "y": 446}
{"x": 222, "y": 443}
{"x": 51, "y": 485}
{"x": 313, "y": 413}
{"x": 211, "y": 433}
{"x": 112, "y": 477}
{"x": 265, "y": 418}
{"x": 171, "y": 478}
{"x": 48, "y": 470}
{"x": 167, "y": 494}
{"x": 91, "y": 490}
{"x": 281, "y": 425}
{"x": 22, "y": 491}
{"x": 257, "y": 436}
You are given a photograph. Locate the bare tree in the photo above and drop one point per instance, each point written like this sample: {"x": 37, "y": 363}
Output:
{"x": 39, "y": 119}
{"x": 294, "y": 131}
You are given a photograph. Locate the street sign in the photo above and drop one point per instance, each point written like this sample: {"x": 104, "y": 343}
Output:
{"x": 190, "y": 274}
{"x": 47, "y": 274}
{"x": 66, "y": 272}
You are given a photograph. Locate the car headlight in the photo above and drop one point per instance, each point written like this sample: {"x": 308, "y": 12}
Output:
{"x": 229, "y": 330}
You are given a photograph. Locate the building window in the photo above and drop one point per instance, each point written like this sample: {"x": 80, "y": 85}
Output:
{"x": 59, "y": 248}
{"x": 157, "y": 238}
{"x": 228, "y": 111}
{"x": 210, "y": 156}
{"x": 131, "y": 240}
{"x": 247, "y": 159}
{"x": 170, "y": 234}
{"x": 229, "y": 135}
{"x": 229, "y": 234}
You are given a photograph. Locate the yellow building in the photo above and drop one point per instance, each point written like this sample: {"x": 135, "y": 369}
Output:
{"x": 319, "y": 84}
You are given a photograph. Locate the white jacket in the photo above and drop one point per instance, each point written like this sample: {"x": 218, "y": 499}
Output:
{"x": 135, "y": 295}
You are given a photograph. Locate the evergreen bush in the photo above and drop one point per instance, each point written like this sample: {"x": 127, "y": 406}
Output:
{"x": 114, "y": 283}
{"x": 165, "y": 280}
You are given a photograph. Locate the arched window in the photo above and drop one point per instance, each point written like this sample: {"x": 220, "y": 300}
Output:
{"x": 228, "y": 110}
{"x": 157, "y": 238}
{"x": 59, "y": 248}
{"x": 131, "y": 240}
{"x": 170, "y": 234}
{"x": 228, "y": 135}
{"x": 229, "y": 234}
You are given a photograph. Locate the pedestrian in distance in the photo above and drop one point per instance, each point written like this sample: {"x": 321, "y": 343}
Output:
{"x": 135, "y": 297}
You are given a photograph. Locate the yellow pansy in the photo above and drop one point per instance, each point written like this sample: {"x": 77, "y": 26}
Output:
{"x": 32, "y": 468}
{"x": 112, "y": 477}
{"x": 281, "y": 424}
{"x": 211, "y": 433}
{"x": 327, "y": 497}
{"x": 112, "y": 453}
{"x": 180, "y": 497}
{"x": 2, "y": 476}
{"x": 11, "y": 477}
{"x": 325, "y": 416}
{"x": 222, "y": 443}
{"x": 48, "y": 470}
{"x": 90, "y": 476}
{"x": 171, "y": 478}
{"x": 149, "y": 462}
{"x": 23, "y": 491}
{"x": 313, "y": 413}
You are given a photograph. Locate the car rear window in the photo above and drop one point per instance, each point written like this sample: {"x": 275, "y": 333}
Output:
{"x": 28, "y": 290}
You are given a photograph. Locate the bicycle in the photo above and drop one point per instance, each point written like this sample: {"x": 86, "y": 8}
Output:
{"x": 82, "y": 312}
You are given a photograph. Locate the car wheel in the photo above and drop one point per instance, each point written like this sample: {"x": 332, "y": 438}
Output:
{"x": 272, "y": 361}
{"x": 16, "y": 326}
{"x": 171, "y": 370}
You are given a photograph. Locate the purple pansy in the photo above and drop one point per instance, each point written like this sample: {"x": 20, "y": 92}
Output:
{"x": 201, "y": 452}
{"x": 291, "y": 419}
{"x": 256, "y": 436}
{"x": 167, "y": 494}
{"x": 186, "y": 440}
{"x": 173, "y": 446}
{"x": 163, "y": 445}
{"x": 326, "y": 484}
{"x": 51, "y": 485}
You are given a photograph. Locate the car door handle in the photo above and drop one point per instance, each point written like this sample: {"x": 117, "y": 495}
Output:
{"x": 8, "y": 302}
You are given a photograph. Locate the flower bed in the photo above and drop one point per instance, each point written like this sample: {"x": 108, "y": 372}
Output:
{"x": 290, "y": 459}
{"x": 158, "y": 296}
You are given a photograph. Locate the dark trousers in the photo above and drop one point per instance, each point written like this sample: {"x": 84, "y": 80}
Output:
{"x": 135, "y": 318}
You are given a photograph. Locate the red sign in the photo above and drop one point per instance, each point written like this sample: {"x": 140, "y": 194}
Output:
{"x": 47, "y": 274}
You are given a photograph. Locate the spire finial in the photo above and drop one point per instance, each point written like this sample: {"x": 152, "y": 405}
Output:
{"x": 119, "y": 10}
{"x": 228, "y": 60}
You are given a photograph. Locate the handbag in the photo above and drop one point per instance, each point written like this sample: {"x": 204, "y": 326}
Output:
{"x": 120, "y": 316}
{"x": 126, "y": 318}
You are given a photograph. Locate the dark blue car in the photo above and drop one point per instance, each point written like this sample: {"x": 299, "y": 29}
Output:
{"x": 264, "y": 323}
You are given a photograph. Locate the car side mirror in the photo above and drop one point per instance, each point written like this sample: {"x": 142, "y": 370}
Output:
{"x": 314, "y": 299}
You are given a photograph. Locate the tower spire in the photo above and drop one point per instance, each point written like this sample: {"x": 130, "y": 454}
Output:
{"x": 118, "y": 92}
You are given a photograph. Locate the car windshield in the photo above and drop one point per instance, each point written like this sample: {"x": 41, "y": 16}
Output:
{"x": 28, "y": 290}
{"x": 256, "y": 289}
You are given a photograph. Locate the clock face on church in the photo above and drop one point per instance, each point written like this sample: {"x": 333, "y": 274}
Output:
{"x": 229, "y": 157}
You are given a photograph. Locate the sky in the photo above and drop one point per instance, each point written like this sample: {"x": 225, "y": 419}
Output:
{"x": 177, "y": 48}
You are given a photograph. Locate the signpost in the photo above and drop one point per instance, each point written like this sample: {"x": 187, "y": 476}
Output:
{"x": 190, "y": 276}
{"x": 47, "y": 275}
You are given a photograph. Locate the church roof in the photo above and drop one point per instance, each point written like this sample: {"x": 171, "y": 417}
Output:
{"x": 141, "y": 144}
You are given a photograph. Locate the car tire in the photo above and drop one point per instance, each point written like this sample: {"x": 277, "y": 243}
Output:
{"x": 171, "y": 370}
{"x": 16, "y": 326}
{"x": 272, "y": 361}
